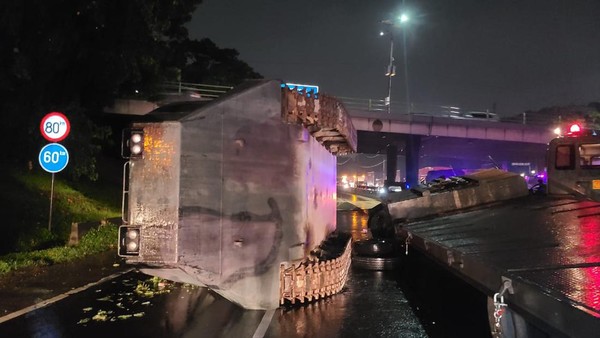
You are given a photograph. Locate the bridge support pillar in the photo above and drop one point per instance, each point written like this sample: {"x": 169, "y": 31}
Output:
{"x": 391, "y": 164}
{"x": 412, "y": 151}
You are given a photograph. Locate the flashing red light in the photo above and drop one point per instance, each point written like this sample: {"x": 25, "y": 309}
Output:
{"x": 574, "y": 129}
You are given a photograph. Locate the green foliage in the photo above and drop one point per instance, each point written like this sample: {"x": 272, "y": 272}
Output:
{"x": 98, "y": 240}
{"x": 593, "y": 116}
{"x": 207, "y": 63}
{"x": 85, "y": 52}
{"x": 95, "y": 241}
{"x": 81, "y": 208}
{"x": 85, "y": 147}
{"x": 77, "y": 57}
{"x": 25, "y": 211}
{"x": 37, "y": 238}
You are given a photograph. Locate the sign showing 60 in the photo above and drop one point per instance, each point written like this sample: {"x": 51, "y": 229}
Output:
{"x": 53, "y": 157}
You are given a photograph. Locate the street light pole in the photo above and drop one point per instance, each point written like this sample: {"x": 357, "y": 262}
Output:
{"x": 391, "y": 70}
{"x": 408, "y": 110}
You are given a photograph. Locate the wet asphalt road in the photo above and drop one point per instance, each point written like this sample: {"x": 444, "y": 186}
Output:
{"x": 372, "y": 305}
{"x": 417, "y": 300}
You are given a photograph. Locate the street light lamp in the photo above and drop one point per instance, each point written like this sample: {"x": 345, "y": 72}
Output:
{"x": 391, "y": 69}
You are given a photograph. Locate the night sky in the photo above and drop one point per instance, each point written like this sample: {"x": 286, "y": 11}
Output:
{"x": 519, "y": 55}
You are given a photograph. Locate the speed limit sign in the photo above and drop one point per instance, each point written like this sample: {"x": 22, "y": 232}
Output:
{"x": 55, "y": 127}
{"x": 53, "y": 157}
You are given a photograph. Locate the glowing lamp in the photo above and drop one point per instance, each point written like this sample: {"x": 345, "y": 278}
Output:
{"x": 132, "y": 246}
{"x": 557, "y": 131}
{"x": 136, "y": 143}
{"x": 129, "y": 241}
{"x": 574, "y": 129}
{"x": 133, "y": 143}
{"x": 133, "y": 234}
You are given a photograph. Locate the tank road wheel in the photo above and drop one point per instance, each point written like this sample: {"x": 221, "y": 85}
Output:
{"x": 375, "y": 254}
{"x": 512, "y": 324}
{"x": 374, "y": 247}
{"x": 380, "y": 222}
{"x": 376, "y": 263}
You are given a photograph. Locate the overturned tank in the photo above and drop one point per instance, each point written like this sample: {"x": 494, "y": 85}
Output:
{"x": 235, "y": 193}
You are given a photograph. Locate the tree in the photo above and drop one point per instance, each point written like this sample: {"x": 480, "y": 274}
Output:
{"x": 86, "y": 52}
{"x": 78, "y": 56}
{"x": 207, "y": 63}
{"x": 593, "y": 116}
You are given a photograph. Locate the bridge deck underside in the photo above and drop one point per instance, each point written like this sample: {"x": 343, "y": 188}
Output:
{"x": 455, "y": 152}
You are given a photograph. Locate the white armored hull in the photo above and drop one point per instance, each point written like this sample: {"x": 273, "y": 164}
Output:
{"x": 226, "y": 193}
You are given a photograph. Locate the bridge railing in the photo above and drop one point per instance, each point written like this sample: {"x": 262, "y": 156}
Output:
{"x": 354, "y": 103}
{"x": 397, "y": 107}
{"x": 366, "y": 105}
{"x": 205, "y": 91}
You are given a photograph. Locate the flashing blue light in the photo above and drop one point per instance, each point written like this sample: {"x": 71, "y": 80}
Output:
{"x": 407, "y": 186}
{"x": 308, "y": 90}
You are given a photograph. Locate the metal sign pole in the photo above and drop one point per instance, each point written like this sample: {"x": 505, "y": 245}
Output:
{"x": 54, "y": 157}
{"x": 51, "y": 194}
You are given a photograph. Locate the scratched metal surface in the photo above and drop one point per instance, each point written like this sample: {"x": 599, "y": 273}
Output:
{"x": 551, "y": 243}
{"x": 233, "y": 191}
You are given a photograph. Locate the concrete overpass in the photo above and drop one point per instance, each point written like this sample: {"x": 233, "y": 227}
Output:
{"x": 415, "y": 128}
{"x": 371, "y": 116}
{"x": 430, "y": 125}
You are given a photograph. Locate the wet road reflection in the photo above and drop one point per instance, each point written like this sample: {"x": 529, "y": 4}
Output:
{"x": 133, "y": 305}
{"x": 353, "y": 222}
{"x": 372, "y": 304}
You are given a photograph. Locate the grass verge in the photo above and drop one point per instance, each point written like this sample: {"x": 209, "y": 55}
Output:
{"x": 29, "y": 239}
{"x": 93, "y": 242}
{"x": 25, "y": 200}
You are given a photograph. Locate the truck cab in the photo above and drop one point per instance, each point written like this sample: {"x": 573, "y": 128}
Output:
{"x": 574, "y": 164}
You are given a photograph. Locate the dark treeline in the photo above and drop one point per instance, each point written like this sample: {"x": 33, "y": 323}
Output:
{"x": 78, "y": 56}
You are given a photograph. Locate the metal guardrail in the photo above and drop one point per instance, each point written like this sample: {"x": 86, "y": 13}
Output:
{"x": 399, "y": 108}
{"x": 203, "y": 90}
{"x": 376, "y": 105}
{"x": 308, "y": 280}
{"x": 211, "y": 92}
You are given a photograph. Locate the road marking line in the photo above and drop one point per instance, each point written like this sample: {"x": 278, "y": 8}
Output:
{"x": 55, "y": 299}
{"x": 264, "y": 324}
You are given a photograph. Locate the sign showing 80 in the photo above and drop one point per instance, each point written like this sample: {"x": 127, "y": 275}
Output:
{"x": 55, "y": 127}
